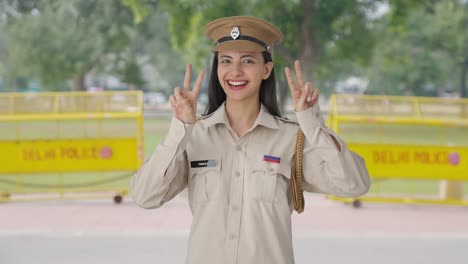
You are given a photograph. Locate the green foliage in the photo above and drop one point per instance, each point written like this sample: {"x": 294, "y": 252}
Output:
{"x": 169, "y": 66}
{"x": 423, "y": 58}
{"x": 65, "y": 39}
{"x": 335, "y": 30}
{"x": 415, "y": 48}
{"x": 132, "y": 74}
{"x": 56, "y": 41}
{"x": 140, "y": 9}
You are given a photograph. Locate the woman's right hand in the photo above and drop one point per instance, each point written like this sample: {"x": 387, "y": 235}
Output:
{"x": 184, "y": 103}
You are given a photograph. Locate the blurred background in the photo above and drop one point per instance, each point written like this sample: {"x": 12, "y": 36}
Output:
{"x": 84, "y": 87}
{"x": 386, "y": 47}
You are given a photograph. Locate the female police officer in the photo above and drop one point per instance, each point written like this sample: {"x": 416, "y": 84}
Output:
{"x": 236, "y": 160}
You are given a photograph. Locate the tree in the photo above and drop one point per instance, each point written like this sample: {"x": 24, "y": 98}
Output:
{"x": 9, "y": 73}
{"x": 168, "y": 65}
{"x": 63, "y": 40}
{"x": 5, "y": 64}
{"x": 324, "y": 35}
{"x": 421, "y": 54}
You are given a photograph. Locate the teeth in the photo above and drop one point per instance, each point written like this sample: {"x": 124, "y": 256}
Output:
{"x": 237, "y": 82}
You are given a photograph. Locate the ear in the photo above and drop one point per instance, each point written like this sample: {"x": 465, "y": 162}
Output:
{"x": 268, "y": 69}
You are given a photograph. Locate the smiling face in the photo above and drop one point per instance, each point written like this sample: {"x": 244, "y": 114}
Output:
{"x": 241, "y": 74}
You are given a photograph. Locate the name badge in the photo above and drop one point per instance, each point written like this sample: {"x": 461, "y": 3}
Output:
{"x": 202, "y": 163}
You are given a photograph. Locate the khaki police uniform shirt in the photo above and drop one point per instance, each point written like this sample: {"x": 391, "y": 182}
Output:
{"x": 239, "y": 187}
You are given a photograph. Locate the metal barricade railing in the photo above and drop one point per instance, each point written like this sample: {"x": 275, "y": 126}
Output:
{"x": 69, "y": 144}
{"x": 416, "y": 148}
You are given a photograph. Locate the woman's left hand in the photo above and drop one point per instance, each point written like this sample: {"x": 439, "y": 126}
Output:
{"x": 303, "y": 94}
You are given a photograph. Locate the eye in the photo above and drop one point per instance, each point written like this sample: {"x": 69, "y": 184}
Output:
{"x": 248, "y": 61}
{"x": 224, "y": 61}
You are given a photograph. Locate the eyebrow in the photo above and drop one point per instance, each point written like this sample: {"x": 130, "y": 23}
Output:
{"x": 242, "y": 57}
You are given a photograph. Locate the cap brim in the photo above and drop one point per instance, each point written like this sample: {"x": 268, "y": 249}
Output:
{"x": 239, "y": 45}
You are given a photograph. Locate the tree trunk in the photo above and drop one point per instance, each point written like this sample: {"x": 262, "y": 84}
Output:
{"x": 285, "y": 54}
{"x": 464, "y": 68}
{"x": 309, "y": 51}
{"x": 78, "y": 83}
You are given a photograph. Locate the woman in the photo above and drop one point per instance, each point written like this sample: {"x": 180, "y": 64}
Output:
{"x": 236, "y": 160}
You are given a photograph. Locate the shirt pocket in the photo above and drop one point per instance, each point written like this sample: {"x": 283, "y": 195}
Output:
{"x": 204, "y": 182}
{"x": 268, "y": 181}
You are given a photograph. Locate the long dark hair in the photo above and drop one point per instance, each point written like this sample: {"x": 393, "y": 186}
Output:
{"x": 217, "y": 96}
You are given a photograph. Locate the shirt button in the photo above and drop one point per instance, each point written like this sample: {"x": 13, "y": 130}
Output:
{"x": 239, "y": 148}
{"x": 237, "y": 174}
{"x": 270, "y": 170}
{"x": 235, "y": 208}
{"x": 233, "y": 236}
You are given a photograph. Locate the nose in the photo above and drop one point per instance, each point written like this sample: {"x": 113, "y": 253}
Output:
{"x": 236, "y": 69}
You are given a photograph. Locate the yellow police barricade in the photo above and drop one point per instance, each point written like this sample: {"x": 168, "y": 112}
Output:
{"x": 416, "y": 148}
{"x": 69, "y": 144}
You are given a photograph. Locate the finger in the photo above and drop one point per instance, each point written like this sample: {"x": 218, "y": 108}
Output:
{"x": 300, "y": 79}
{"x": 177, "y": 94}
{"x": 198, "y": 82}
{"x": 188, "y": 75}
{"x": 297, "y": 94}
{"x": 314, "y": 92}
{"x": 315, "y": 95}
{"x": 172, "y": 101}
{"x": 310, "y": 93}
{"x": 304, "y": 96}
{"x": 292, "y": 85}
{"x": 180, "y": 101}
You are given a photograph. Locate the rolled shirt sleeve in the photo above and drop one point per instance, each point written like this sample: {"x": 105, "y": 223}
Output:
{"x": 327, "y": 168}
{"x": 164, "y": 174}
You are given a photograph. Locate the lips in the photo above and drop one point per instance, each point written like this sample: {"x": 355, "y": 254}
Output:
{"x": 237, "y": 85}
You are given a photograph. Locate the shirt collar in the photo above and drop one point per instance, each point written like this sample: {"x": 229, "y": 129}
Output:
{"x": 217, "y": 117}
{"x": 264, "y": 118}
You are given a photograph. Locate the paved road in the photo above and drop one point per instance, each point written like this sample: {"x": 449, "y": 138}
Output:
{"x": 98, "y": 232}
{"x": 141, "y": 248}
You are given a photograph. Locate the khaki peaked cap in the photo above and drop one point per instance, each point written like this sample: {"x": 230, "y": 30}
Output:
{"x": 243, "y": 33}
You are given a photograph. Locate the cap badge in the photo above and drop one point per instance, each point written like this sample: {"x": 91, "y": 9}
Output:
{"x": 235, "y": 32}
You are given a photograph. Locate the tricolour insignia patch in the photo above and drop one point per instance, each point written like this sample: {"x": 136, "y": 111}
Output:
{"x": 271, "y": 159}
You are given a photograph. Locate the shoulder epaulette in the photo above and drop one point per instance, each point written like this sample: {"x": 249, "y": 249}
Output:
{"x": 204, "y": 116}
{"x": 286, "y": 120}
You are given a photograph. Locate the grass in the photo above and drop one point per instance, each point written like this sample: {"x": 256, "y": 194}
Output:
{"x": 155, "y": 129}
